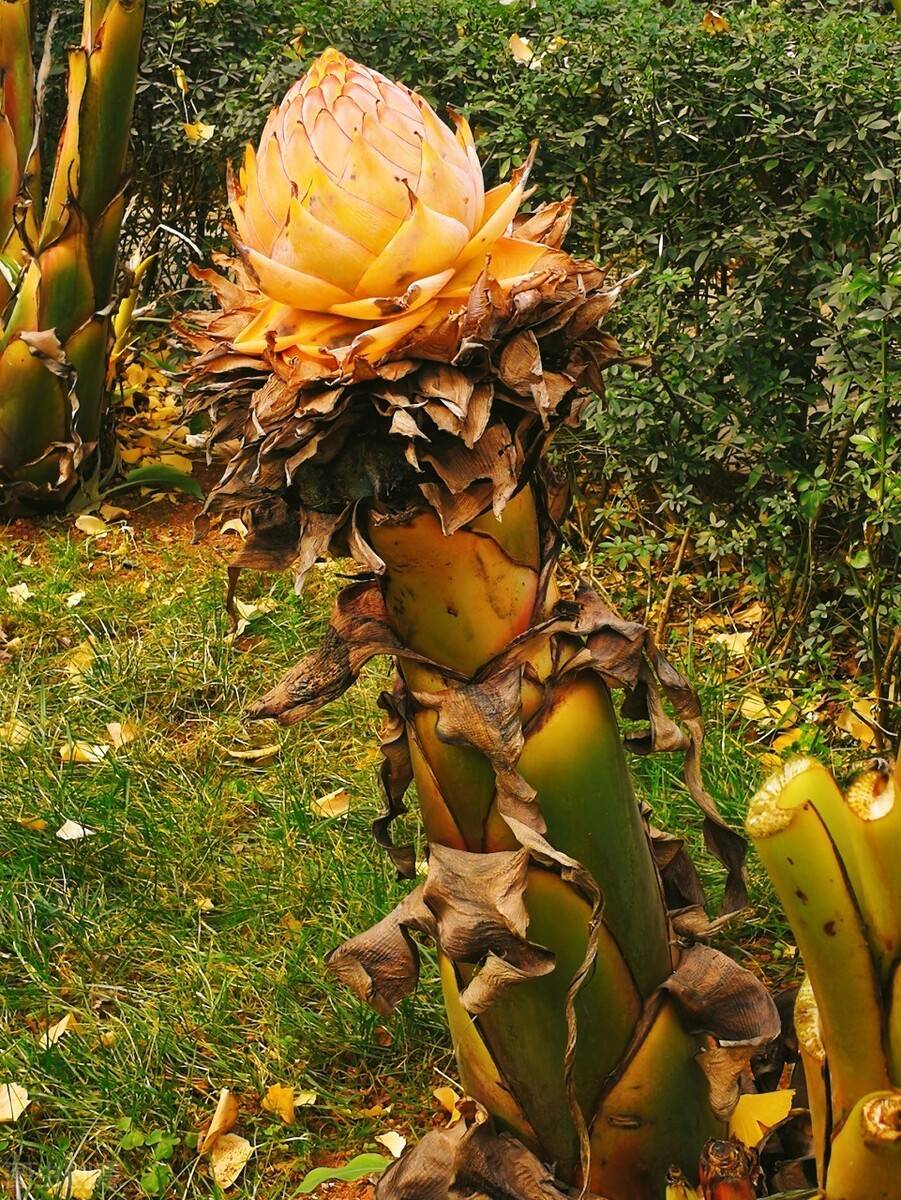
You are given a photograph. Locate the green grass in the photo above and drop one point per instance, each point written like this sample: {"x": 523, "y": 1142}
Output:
{"x": 187, "y": 935}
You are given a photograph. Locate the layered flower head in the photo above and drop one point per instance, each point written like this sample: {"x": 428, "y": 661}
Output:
{"x": 362, "y": 216}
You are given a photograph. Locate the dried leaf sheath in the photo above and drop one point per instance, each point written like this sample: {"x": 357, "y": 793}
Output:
{"x": 399, "y": 416}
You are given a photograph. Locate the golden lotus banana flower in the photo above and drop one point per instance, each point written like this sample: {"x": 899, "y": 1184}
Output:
{"x": 362, "y": 217}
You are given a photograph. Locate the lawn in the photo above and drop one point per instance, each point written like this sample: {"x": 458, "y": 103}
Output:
{"x": 185, "y": 934}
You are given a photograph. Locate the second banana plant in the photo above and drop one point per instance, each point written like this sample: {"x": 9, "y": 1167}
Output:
{"x": 395, "y": 348}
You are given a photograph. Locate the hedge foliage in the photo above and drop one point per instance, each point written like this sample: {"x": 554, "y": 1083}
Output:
{"x": 752, "y": 169}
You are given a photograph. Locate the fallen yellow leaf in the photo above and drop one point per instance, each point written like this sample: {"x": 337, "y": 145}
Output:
{"x": 78, "y": 1185}
{"x": 14, "y": 733}
{"x": 79, "y": 660}
{"x": 224, "y": 1119}
{"x": 257, "y": 754}
{"x": 857, "y": 720}
{"x": 229, "y": 1157}
{"x": 51, "y": 1035}
{"x": 181, "y": 80}
{"x": 74, "y": 598}
{"x": 178, "y": 461}
{"x": 713, "y": 22}
{"x": 448, "y": 1099}
{"x": 786, "y": 740}
{"x": 112, "y": 512}
{"x": 520, "y": 48}
{"x": 735, "y": 644}
{"x": 36, "y": 824}
{"x": 335, "y": 804}
{"x": 279, "y": 1100}
{"x": 305, "y": 1099}
{"x": 19, "y": 593}
{"x": 120, "y": 733}
{"x": 757, "y": 1112}
{"x": 13, "y": 1102}
{"x": 93, "y": 526}
{"x": 83, "y": 753}
{"x": 71, "y": 831}
{"x": 393, "y": 1141}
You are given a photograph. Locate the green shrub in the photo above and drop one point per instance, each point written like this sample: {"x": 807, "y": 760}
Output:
{"x": 754, "y": 173}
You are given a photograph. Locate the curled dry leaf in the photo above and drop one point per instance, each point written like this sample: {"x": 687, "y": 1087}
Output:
{"x": 334, "y": 804}
{"x": 112, "y": 512}
{"x": 279, "y": 1100}
{"x": 235, "y": 525}
{"x": 72, "y": 831}
{"x": 52, "y": 1034}
{"x": 228, "y": 1158}
{"x": 449, "y": 1101}
{"x": 83, "y": 753}
{"x": 395, "y": 1143}
{"x": 224, "y": 1119}
{"x": 735, "y": 644}
{"x": 305, "y": 1099}
{"x": 13, "y": 1102}
{"x": 257, "y": 754}
{"x": 520, "y": 48}
{"x": 77, "y": 1185}
{"x": 74, "y": 599}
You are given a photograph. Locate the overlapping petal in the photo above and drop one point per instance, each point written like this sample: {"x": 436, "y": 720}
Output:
{"x": 362, "y": 216}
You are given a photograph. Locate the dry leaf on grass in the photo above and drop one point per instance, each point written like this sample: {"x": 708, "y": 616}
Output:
{"x": 71, "y": 831}
{"x": 120, "y": 733}
{"x": 79, "y": 660}
{"x": 112, "y": 512}
{"x": 92, "y": 526}
{"x": 224, "y": 1119}
{"x": 13, "y": 1102}
{"x": 334, "y": 804}
{"x": 74, "y": 598}
{"x": 735, "y": 644}
{"x": 19, "y": 593}
{"x": 228, "y": 1158}
{"x": 257, "y": 754}
{"x": 14, "y": 733}
{"x": 395, "y": 1143}
{"x": 35, "y": 824}
{"x": 83, "y": 753}
{"x": 51, "y": 1035}
{"x": 858, "y": 719}
{"x": 78, "y": 1185}
{"x": 279, "y": 1100}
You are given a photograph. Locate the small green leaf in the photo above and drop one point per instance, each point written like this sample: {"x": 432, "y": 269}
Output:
{"x": 357, "y": 1168}
{"x": 155, "y": 1181}
{"x": 166, "y": 478}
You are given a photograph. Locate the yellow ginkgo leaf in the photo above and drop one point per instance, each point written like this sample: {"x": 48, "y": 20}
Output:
{"x": 334, "y": 804}
{"x": 51, "y": 1035}
{"x": 229, "y": 1157}
{"x": 83, "y": 753}
{"x": 112, "y": 512}
{"x": 178, "y": 461}
{"x": 393, "y": 1142}
{"x": 224, "y": 1119}
{"x": 79, "y": 660}
{"x": 78, "y": 1185}
{"x": 520, "y": 48}
{"x": 181, "y": 80}
{"x": 858, "y": 720}
{"x": 448, "y": 1099}
{"x": 305, "y": 1099}
{"x": 199, "y": 131}
{"x": 279, "y": 1100}
{"x": 714, "y": 22}
{"x": 13, "y": 1102}
{"x": 757, "y": 1112}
